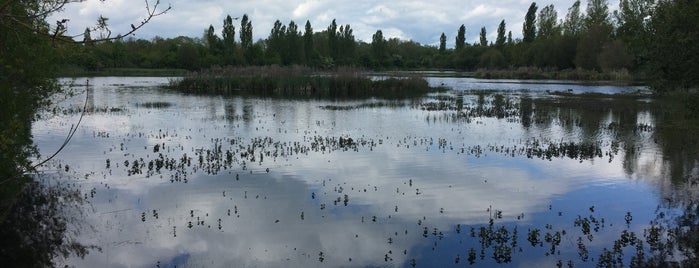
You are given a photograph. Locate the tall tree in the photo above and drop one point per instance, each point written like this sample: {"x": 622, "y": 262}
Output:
{"x": 378, "y": 47}
{"x": 548, "y": 23}
{"x": 211, "y": 38}
{"x": 460, "y": 38}
{"x": 333, "y": 39}
{"x": 573, "y": 24}
{"x": 308, "y": 42}
{"x": 442, "y": 43}
{"x": 276, "y": 43}
{"x": 596, "y": 35}
{"x": 597, "y": 14}
{"x": 228, "y": 33}
{"x": 346, "y": 44}
{"x": 500, "y": 40}
{"x": 293, "y": 51}
{"x": 632, "y": 27}
{"x": 529, "y": 26}
{"x": 509, "y": 38}
{"x": 246, "y": 38}
{"x": 483, "y": 38}
{"x": 673, "y": 50}
{"x": 86, "y": 36}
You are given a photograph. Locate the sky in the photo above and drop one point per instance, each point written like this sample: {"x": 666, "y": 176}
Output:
{"x": 420, "y": 21}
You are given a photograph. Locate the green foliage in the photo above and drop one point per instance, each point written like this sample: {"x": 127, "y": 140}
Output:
{"x": 483, "y": 37}
{"x": 529, "y": 26}
{"x": 228, "y": 34}
{"x": 27, "y": 65}
{"x": 597, "y": 14}
{"x": 573, "y": 24}
{"x": 500, "y": 40}
{"x": 548, "y": 23}
{"x": 442, "y": 43}
{"x": 246, "y": 38}
{"x": 378, "y": 49}
{"x": 460, "y": 38}
{"x": 492, "y": 59}
{"x": 297, "y": 81}
{"x": 673, "y": 50}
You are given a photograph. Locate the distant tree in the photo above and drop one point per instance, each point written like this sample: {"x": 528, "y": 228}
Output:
{"x": 483, "y": 38}
{"x": 529, "y": 26}
{"x": 309, "y": 51}
{"x": 87, "y": 39}
{"x": 632, "y": 26}
{"x": 378, "y": 48}
{"x": 246, "y": 38}
{"x": 213, "y": 43}
{"x": 333, "y": 39}
{"x": 614, "y": 56}
{"x": 294, "y": 49}
{"x": 460, "y": 38}
{"x": 492, "y": 59}
{"x": 442, "y": 43}
{"x": 228, "y": 34}
{"x": 211, "y": 39}
{"x": 276, "y": 43}
{"x": 596, "y": 35}
{"x": 589, "y": 48}
{"x": 548, "y": 23}
{"x": 500, "y": 40}
{"x": 509, "y": 38}
{"x": 346, "y": 45}
{"x": 573, "y": 24}
{"x": 597, "y": 14}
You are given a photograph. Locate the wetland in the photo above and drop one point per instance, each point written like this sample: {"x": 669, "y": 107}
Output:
{"x": 489, "y": 172}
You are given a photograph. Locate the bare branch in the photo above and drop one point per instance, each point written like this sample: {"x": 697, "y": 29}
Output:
{"x": 58, "y": 31}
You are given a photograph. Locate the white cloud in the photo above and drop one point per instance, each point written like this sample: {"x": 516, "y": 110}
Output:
{"x": 421, "y": 21}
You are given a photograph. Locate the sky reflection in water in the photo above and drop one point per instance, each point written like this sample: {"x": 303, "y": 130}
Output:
{"x": 409, "y": 195}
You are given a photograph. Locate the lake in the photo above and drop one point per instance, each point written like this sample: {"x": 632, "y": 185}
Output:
{"x": 506, "y": 172}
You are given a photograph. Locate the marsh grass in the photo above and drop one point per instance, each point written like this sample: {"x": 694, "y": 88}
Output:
{"x": 297, "y": 81}
{"x": 620, "y": 76}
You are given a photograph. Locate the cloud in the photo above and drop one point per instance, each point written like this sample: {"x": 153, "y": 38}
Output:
{"x": 421, "y": 21}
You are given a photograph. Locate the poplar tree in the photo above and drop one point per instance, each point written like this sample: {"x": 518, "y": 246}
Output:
{"x": 500, "y": 40}
{"x": 460, "y": 38}
{"x": 573, "y": 24}
{"x": 308, "y": 42}
{"x": 246, "y": 38}
{"x": 548, "y": 23}
{"x": 442, "y": 43}
{"x": 333, "y": 39}
{"x": 529, "y": 26}
{"x": 228, "y": 34}
{"x": 378, "y": 47}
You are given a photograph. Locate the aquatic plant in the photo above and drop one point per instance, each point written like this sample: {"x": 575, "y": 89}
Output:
{"x": 298, "y": 81}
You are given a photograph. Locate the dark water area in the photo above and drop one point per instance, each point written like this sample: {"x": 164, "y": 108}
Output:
{"x": 502, "y": 172}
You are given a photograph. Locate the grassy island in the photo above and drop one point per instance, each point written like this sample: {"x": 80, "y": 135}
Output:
{"x": 296, "y": 81}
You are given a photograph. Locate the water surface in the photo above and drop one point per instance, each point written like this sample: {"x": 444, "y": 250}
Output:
{"x": 493, "y": 172}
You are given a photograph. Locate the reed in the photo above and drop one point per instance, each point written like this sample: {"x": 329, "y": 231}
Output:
{"x": 297, "y": 81}
{"x": 619, "y": 76}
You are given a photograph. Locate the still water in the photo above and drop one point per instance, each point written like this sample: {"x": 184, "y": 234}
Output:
{"x": 490, "y": 173}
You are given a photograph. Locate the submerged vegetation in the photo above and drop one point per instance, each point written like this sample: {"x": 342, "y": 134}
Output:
{"x": 277, "y": 158}
{"x": 299, "y": 81}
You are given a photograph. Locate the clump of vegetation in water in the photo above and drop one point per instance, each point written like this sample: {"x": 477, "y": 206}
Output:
{"x": 299, "y": 81}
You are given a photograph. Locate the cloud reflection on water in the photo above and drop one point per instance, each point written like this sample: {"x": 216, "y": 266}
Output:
{"x": 265, "y": 227}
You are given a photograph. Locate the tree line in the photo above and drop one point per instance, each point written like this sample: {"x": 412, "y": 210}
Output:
{"x": 649, "y": 39}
